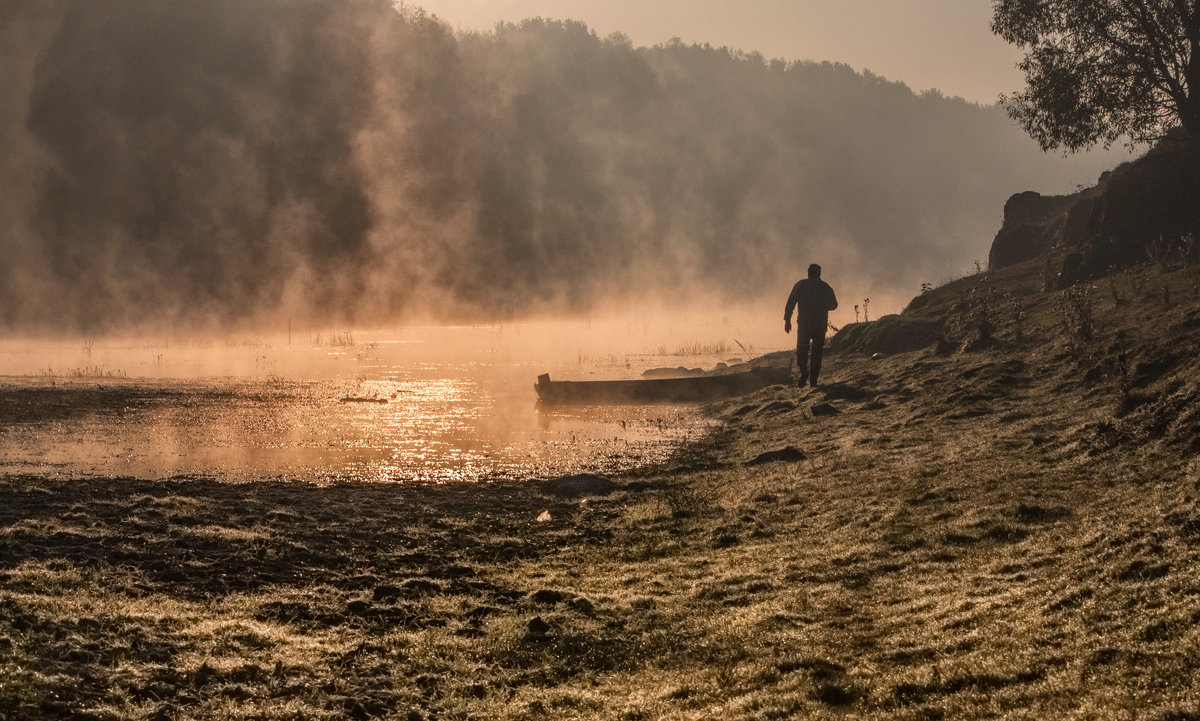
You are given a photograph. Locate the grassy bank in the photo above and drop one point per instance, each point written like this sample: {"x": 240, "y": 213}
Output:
{"x": 1011, "y": 532}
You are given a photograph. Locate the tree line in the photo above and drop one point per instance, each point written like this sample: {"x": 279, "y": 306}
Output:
{"x": 226, "y": 160}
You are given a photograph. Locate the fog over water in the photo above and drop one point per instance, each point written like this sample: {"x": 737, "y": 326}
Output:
{"x": 429, "y": 403}
{"x": 232, "y": 163}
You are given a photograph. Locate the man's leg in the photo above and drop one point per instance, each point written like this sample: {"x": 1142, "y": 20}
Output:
{"x": 802, "y": 357}
{"x": 818, "y": 348}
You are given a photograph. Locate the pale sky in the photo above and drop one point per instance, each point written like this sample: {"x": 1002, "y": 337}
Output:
{"x": 943, "y": 44}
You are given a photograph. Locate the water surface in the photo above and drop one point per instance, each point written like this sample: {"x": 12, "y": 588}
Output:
{"x": 429, "y": 404}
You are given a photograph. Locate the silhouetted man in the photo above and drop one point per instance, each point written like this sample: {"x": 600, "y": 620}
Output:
{"x": 813, "y": 299}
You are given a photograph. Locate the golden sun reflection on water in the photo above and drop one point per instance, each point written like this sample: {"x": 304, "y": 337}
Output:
{"x": 429, "y": 405}
{"x": 439, "y": 430}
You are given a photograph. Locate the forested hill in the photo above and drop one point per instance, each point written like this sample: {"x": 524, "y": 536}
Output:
{"x": 238, "y": 159}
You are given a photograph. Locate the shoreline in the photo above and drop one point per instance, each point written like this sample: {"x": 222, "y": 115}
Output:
{"x": 972, "y": 535}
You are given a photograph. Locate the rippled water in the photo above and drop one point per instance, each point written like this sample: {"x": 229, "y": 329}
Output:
{"x": 428, "y": 405}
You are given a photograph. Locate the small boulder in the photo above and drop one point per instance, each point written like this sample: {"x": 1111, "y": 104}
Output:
{"x": 824, "y": 409}
{"x": 537, "y": 630}
{"x": 891, "y": 334}
{"x": 790, "y": 454}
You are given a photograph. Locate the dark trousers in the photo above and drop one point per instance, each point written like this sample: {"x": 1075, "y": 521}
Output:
{"x": 810, "y": 344}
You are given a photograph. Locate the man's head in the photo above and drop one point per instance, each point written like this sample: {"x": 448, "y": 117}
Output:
{"x": 814, "y": 271}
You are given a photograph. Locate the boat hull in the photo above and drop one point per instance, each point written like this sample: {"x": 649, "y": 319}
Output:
{"x": 697, "y": 389}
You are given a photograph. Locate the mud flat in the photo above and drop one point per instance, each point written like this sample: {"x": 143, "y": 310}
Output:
{"x": 999, "y": 533}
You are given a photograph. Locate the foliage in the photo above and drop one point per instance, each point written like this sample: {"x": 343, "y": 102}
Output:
{"x": 1016, "y": 311}
{"x": 1075, "y": 313}
{"x": 974, "y": 316}
{"x": 1100, "y": 70}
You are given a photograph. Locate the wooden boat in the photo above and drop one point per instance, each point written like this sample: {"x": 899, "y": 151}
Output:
{"x": 694, "y": 389}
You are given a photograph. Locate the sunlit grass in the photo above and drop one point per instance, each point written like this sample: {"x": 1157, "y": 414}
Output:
{"x": 82, "y": 373}
{"x": 697, "y": 348}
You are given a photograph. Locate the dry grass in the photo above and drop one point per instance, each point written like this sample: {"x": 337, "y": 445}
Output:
{"x": 973, "y": 536}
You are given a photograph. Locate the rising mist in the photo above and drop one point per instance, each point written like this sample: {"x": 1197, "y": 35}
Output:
{"x": 234, "y": 161}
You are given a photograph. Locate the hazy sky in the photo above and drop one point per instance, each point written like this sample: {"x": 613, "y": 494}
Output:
{"x": 943, "y": 44}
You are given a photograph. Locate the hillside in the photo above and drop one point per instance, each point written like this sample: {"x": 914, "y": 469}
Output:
{"x": 1007, "y": 531}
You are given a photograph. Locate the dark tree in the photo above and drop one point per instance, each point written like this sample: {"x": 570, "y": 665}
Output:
{"x": 1100, "y": 70}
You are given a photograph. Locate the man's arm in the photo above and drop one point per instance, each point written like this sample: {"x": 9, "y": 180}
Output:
{"x": 832, "y": 298}
{"x": 793, "y": 298}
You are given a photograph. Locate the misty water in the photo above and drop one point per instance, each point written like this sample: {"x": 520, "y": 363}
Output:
{"x": 422, "y": 404}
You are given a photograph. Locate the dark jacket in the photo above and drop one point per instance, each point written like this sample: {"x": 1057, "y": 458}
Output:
{"x": 813, "y": 299}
